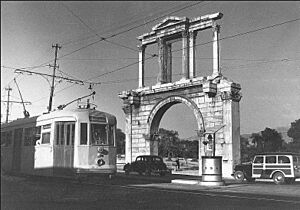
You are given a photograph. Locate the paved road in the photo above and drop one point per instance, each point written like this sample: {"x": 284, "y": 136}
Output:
{"x": 140, "y": 192}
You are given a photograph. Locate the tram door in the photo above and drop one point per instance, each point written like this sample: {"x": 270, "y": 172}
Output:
{"x": 64, "y": 148}
{"x": 69, "y": 145}
{"x": 16, "y": 163}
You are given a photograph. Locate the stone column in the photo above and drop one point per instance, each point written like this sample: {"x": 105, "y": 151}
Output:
{"x": 185, "y": 55}
{"x": 169, "y": 62}
{"x": 216, "y": 55}
{"x": 128, "y": 135}
{"x": 162, "y": 60}
{"x": 192, "y": 40}
{"x": 141, "y": 65}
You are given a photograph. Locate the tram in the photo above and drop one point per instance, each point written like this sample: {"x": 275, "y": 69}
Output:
{"x": 60, "y": 143}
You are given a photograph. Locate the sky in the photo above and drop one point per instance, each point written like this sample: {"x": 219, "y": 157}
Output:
{"x": 259, "y": 49}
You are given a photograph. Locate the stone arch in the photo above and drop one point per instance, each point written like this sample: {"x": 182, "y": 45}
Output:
{"x": 163, "y": 105}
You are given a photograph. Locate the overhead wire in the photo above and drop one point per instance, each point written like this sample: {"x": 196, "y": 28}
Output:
{"x": 124, "y": 31}
{"x": 227, "y": 37}
{"x": 232, "y": 36}
{"x": 132, "y": 22}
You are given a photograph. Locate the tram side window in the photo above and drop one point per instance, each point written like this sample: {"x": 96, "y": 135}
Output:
{"x": 46, "y": 138}
{"x": 62, "y": 134}
{"x": 83, "y": 133}
{"x": 72, "y": 134}
{"x": 37, "y": 133}
{"x": 57, "y": 133}
{"x": 29, "y": 137}
{"x": 9, "y": 138}
{"x": 68, "y": 134}
{"x": 111, "y": 135}
{"x": 98, "y": 134}
{"x": 6, "y": 138}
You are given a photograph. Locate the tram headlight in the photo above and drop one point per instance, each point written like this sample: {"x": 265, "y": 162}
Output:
{"x": 100, "y": 162}
{"x": 99, "y": 155}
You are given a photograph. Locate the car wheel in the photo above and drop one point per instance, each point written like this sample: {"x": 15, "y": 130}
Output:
{"x": 279, "y": 178}
{"x": 239, "y": 176}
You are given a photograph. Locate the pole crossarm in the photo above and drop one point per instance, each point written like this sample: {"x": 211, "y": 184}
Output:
{"x": 18, "y": 102}
{"x": 48, "y": 75}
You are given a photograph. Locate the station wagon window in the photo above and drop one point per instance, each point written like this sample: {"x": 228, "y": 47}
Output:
{"x": 258, "y": 159}
{"x": 83, "y": 133}
{"x": 98, "y": 134}
{"x": 46, "y": 138}
{"x": 283, "y": 159}
{"x": 271, "y": 159}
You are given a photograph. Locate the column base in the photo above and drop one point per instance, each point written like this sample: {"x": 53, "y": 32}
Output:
{"x": 218, "y": 183}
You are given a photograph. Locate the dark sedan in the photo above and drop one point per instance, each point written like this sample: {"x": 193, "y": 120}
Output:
{"x": 147, "y": 164}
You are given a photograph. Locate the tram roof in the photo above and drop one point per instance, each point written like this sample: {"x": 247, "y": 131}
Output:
{"x": 111, "y": 119}
{"x": 19, "y": 122}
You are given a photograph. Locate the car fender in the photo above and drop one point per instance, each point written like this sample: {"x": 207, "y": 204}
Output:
{"x": 127, "y": 166}
{"x": 277, "y": 170}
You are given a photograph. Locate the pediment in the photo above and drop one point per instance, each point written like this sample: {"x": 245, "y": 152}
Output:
{"x": 169, "y": 21}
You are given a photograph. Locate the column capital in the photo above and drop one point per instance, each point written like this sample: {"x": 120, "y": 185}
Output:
{"x": 160, "y": 40}
{"x": 216, "y": 28}
{"x": 193, "y": 33}
{"x": 141, "y": 47}
{"x": 185, "y": 34}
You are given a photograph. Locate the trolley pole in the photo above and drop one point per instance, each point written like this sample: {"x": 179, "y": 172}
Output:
{"x": 53, "y": 76}
{"x": 7, "y": 106}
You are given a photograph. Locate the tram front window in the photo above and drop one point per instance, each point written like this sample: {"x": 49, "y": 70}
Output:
{"x": 98, "y": 134}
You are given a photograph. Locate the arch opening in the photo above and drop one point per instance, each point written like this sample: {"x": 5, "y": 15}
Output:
{"x": 176, "y": 149}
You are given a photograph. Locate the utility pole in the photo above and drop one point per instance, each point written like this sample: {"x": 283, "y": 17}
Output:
{"x": 7, "y": 106}
{"x": 53, "y": 76}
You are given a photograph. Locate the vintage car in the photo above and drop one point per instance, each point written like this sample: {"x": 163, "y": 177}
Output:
{"x": 147, "y": 164}
{"x": 281, "y": 167}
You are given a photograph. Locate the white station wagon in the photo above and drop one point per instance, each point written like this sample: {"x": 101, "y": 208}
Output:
{"x": 281, "y": 167}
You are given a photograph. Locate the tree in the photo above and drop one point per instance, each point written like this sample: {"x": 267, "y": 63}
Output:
{"x": 120, "y": 141}
{"x": 168, "y": 143}
{"x": 268, "y": 141}
{"x": 258, "y": 142}
{"x": 294, "y": 131}
{"x": 247, "y": 150}
{"x": 273, "y": 141}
